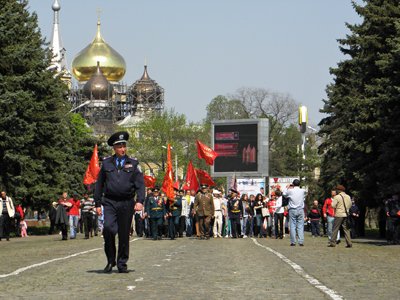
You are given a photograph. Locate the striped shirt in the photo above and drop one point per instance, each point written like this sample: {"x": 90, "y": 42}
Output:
{"x": 87, "y": 205}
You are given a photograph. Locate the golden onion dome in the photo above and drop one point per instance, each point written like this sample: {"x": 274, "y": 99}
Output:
{"x": 112, "y": 63}
{"x": 98, "y": 87}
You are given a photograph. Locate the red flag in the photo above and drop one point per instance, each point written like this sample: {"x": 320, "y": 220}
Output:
{"x": 204, "y": 177}
{"x": 93, "y": 168}
{"x": 149, "y": 181}
{"x": 176, "y": 185}
{"x": 191, "y": 182}
{"x": 206, "y": 153}
{"x": 168, "y": 183}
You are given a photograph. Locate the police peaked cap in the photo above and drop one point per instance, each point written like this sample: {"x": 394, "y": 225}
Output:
{"x": 118, "y": 137}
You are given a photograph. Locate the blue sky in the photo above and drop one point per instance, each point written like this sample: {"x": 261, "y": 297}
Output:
{"x": 197, "y": 50}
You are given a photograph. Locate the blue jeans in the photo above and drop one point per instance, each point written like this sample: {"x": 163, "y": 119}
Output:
{"x": 329, "y": 221}
{"x": 243, "y": 223}
{"x": 188, "y": 226}
{"x": 296, "y": 219}
{"x": 73, "y": 224}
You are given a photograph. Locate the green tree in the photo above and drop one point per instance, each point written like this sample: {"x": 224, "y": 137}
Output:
{"x": 38, "y": 147}
{"x": 361, "y": 132}
{"x": 150, "y": 137}
{"x": 222, "y": 108}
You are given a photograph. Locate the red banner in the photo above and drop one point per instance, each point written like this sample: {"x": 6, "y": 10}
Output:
{"x": 176, "y": 185}
{"x": 168, "y": 183}
{"x": 191, "y": 182}
{"x": 93, "y": 168}
{"x": 204, "y": 177}
{"x": 206, "y": 153}
{"x": 149, "y": 181}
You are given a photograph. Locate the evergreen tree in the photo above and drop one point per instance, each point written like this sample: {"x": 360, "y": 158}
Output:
{"x": 361, "y": 131}
{"x": 38, "y": 147}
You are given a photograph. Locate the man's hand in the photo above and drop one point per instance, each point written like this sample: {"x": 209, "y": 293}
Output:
{"x": 138, "y": 206}
{"x": 98, "y": 210}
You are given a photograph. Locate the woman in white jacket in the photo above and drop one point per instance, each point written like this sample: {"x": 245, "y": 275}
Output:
{"x": 7, "y": 211}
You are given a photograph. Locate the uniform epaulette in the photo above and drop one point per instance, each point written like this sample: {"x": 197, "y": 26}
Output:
{"x": 107, "y": 157}
{"x": 134, "y": 158}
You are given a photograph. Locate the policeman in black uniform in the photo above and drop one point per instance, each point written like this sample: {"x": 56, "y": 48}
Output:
{"x": 120, "y": 179}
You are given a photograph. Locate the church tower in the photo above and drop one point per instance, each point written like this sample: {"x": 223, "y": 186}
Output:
{"x": 59, "y": 61}
{"x": 101, "y": 98}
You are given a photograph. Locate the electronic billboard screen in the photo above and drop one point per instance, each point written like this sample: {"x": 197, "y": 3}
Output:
{"x": 236, "y": 146}
{"x": 242, "y": 147}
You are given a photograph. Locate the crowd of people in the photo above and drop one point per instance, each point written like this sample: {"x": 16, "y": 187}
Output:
{"x": 233, "y": 215}
{"x": 210, "y": 213}
{"x": 77, "y": 214}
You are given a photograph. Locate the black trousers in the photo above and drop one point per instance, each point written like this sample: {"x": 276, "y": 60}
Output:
{"x": 17, "y": 219}
{"x": 279, "y": 230}
{"x": 52, "y": 226}
{"x": 117, "y": 220}
{"x": 4, "y": 226}
{"x": 139, "y": 225}
{"x": 156, "y": 225}
{"x": 235, "y": 227}
{"x": 173, "y": 226}
{"x": 393, "y": 232}
{"x": 64, "y": 230}
{"x": 87, "y": 223}
{"x": 182, "y": 225}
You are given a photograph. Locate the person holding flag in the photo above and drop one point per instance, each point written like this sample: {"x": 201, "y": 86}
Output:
{"x": 119, "y": 180}
{"x": 174, "y": 213}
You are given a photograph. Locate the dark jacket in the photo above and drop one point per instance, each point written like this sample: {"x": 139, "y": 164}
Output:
{"x": 61, "y": 215}
{"x": 119, "y": 185}
{"x": 235, "y": 208}
{"x": 314, "y": 214}
{"x": 155, "y": 208}
{"x": 52, "y": 214}
{"x": 392, "y": 206}
{"x": 175, "y": 208}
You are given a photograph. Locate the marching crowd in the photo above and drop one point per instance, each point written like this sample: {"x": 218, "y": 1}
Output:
{"x": 205, "y": 214}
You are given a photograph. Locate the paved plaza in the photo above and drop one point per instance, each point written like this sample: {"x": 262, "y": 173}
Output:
{"x": 44, "y": 267}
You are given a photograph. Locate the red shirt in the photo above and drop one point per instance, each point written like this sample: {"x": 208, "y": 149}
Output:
{"x": 21, "y": 211}
{"x": 327, "y": 208}
{"x": 271, "y": 206}
{"x": 76, "y": 205}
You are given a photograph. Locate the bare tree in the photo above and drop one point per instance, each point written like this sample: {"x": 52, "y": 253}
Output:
{"x": 280, "y": 109}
